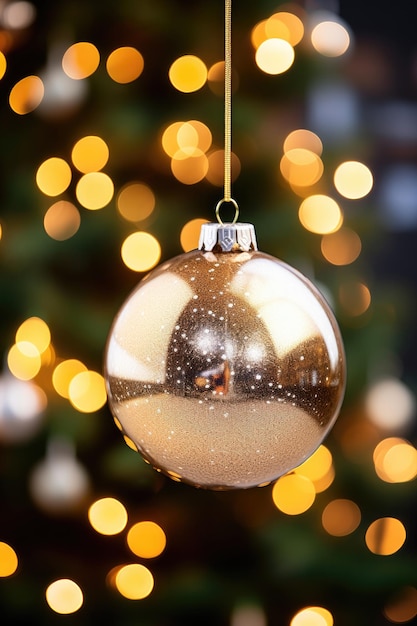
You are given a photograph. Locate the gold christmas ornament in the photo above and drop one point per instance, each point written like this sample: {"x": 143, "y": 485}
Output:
{"x": 225, "y": 366}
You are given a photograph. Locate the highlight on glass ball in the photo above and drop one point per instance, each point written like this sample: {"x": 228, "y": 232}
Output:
{"x": 225, "y": 366}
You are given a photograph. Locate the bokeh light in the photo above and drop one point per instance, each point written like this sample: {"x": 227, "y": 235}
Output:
{"x": 63, "y": 374}
{"x": 53, "y": 176}
{"x": 24, "y": 360}
{"x": 330, "y": 38}
{"x": 64, "y": 596}
{"x": 3, "y": 65}
{"x": 353, "y": 179}
{"x": 87, "y": 391}
{"x": 312, "y": 616}
{"x": 285, "y": 25}
{"x": 108, "y": 516}
{"x": 190, "y": 234}
{"x": 215, "y": 172}
{"x": 302, "y": 138}
{"x": 94, "y": 190}
{"x": 80, "y": 60}
{"x": 274, "y": 56}
{"x": 188, "y": 73}
{"x": 402, "y": 607}
{"x": 301, "y": 167}
{"x": 135, "y": 201}
{"x": 293, "y": 494}
{"x": 90, "y": 154}
{"x": 125, "y": 64}
{"x": 34, "y": 330}
{"x": 320, "y": 214}
{"x": 341, "y": 517}
{"x": 342, "y": 247}
{"x": 8, "y": 560}
{"x": 18, "y": 15}
{"x": 354, "y": 297}
{"x": 390, "y": 404}
{"x": 146, "y": 539}
{"x": 26, "y": 95}
{"x": 140, "y": 251}
{"x": 186, "y": 138}
{"x": 189, "y": 170}
{"x": 385, "y": 536}
{"x": 134, "y": 581}
{"x": 22, "y": 406}
{"x": 318, "y": 468}
{"x": 62, "y": 220}
{"x": 395, "y": 460}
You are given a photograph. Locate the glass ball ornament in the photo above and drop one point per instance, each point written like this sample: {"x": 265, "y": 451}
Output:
{"x": 225, "y": 366}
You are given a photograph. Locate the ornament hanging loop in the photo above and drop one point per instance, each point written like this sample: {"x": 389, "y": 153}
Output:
{"x": 219, "y": 206}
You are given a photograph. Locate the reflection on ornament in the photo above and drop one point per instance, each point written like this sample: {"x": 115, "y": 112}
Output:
{"x": 59, "y": 483}
{"x": 22, "y": 404}
{"x": 225, "y": 366}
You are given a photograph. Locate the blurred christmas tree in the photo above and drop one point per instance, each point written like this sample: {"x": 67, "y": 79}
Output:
{"x": 101, "y": 142}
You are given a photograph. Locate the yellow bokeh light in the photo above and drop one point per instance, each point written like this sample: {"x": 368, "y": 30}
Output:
{"x": 353, "y": 179}
{"x": 26, "y": 95}
{"x": 108, "y": 516}
{"x": 35, "y": 331}
{"x": 87, "y": 391}
{"x": 125, "y": 64}
{"x": 302, "y": 138}
{"x": 189, "y": 170}
{"x": 301, "y": 167}
{"x": 24, "y": 360}
{"x": 1, "y": 231}
{"x": 341, "y": 517}
{"x": 8, "y": 560}
{"x": 317, "y": 466}
{"x": 94, "y": 190}
{"x": 330, "y": 38}
{"x": 274, "y": 56}
{"x": 354, "y": 297}
{"x": 395, "y": 460}
{"x": 140, "y": 251}
{"x": 134, "y": 581}
{"x": 215, "y": 78}
{"x": 320, "y": 214}
{"x": 385, "y": 536}
{"x": 190, "y": 234}
{"x": 285, "y": 25}
{"x": 313, "y": 616}
{"x": 188, "y": 73}
{"x": 169, "y": 138}
{"x": 215, "y": 172}
{"x": 135, "y": 201}
{"x": 342, "y": 247}
{"x": 293, "y": 494}
{"x": 64, "y": 596}
{"x": 3, "y": 65}
{"x": 146, "y": 539}
{"x": 186, "y": 138}
{"x": 62, "y": 220}
{"x": 403, "y": 607}
{"x": 90, "y": 154}
{"x": 80, "y": 60}
{"x": 53, "y": 176}
{"x": 63, "y": 374}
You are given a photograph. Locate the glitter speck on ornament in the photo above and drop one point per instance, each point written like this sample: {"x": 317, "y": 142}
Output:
{"x": 237, "y": 391}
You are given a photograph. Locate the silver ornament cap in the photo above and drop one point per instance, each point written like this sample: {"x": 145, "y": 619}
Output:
{"x": 233, "y": 237}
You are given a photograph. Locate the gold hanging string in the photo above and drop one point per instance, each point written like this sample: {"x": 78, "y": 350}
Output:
{"x": 227, "y": 114}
